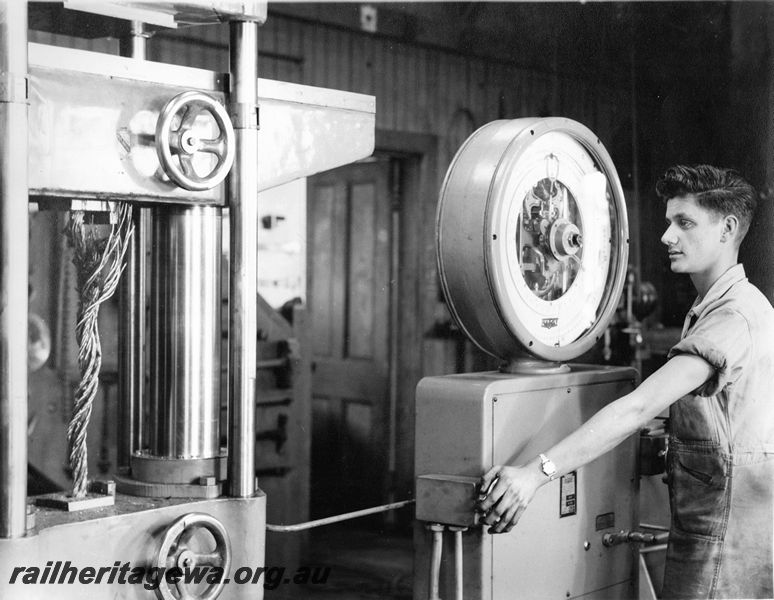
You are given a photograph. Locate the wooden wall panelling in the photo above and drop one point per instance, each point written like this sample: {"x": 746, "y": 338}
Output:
{"x": 417, "y": 89}
{"x": 362, "y": 67}
{"x": 405, "y": 86}
{"x": 383, "y": 85}
{"x": 478, "y": 91}
{"x": 332, "y": 61}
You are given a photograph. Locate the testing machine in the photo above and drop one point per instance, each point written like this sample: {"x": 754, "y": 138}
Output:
{"x": 532, "y": 246}
{"x": 95, "y": 134}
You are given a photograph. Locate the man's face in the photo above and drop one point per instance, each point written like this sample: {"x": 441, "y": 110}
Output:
{"x": 693, "y": 236}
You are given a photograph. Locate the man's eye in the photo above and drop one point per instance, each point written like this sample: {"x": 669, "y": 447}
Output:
{"x": 685, "y": 224}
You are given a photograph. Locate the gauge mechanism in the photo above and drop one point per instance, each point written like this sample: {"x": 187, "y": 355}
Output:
{"x": 532, "y": 239}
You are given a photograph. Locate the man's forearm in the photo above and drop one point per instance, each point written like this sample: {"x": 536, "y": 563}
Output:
{"x": 604, "y": 431}
{"x": 620, "y": 419}
{"x": 507, "y": 490}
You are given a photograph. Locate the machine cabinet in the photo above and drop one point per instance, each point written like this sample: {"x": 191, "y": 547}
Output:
{"x": 467, "y": 423}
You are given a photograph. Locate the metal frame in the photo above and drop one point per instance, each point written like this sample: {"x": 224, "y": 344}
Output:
{"x": 98, "y": 114}
{"x": 14, "y": 258}
{"x": 243, "y": 285}
{"x": 341, "y": 125}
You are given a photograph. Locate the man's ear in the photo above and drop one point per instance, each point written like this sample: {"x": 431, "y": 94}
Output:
{"x": 730, "y": 227}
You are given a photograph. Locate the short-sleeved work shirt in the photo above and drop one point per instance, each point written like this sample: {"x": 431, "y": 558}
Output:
{"x": 732, "y": 328}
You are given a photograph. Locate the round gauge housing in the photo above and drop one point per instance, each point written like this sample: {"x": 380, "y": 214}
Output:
{"x": 532, "y": 238}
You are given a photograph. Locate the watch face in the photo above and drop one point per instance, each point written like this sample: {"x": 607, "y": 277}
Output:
{"x": 553, "y": 226}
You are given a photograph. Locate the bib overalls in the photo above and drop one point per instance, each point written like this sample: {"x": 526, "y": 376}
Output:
{"x": 720, "y": 462}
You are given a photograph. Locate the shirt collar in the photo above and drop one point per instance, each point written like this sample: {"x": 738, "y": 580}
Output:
{"x": 722, "y": 284}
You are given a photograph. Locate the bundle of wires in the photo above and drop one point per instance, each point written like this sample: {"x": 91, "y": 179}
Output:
{"x": 99, "y": 262}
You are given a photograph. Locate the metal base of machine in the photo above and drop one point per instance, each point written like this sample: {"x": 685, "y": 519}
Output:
{"x": 130, "y": 533}
{"x": 523, "y": 365}
{"x": 467, "y": 423}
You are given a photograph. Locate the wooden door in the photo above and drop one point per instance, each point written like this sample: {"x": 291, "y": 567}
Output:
{"x": 349, "y": 289}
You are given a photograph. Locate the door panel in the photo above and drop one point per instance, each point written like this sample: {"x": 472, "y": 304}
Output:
{"x": 349, "y": 254}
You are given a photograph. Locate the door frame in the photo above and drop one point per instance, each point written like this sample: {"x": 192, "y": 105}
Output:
{"x": 417, "y": 289}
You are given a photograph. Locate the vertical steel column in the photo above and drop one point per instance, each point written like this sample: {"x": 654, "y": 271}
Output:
{"x": 14, "y": 261}
{"x": 243, "y": 224}
{"x": 131, "y": 358}
{"x": 185, "y": 332}
{"x": 134, "y": 45}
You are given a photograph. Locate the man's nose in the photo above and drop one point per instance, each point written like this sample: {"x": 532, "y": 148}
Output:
{"x": 669, "y": 236}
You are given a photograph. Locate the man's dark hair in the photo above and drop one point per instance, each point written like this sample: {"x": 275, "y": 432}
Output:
{"x": 722, "y": 191}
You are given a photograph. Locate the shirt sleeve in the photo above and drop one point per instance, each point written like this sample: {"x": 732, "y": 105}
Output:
{"x": 722, "y": 338}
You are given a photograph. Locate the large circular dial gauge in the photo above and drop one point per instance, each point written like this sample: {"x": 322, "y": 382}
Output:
{"x": 532, "y": 238}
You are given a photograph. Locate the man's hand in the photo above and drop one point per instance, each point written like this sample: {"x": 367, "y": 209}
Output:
{"x": 505, "y": 493}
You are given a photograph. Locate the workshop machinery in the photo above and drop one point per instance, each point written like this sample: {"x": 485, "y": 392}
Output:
{"x": 532, "y": 247}
{"x": 96, "y": 135}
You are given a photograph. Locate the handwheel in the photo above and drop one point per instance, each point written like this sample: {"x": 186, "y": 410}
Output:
{"x": 193, "y": 540}
{"x": 178, "y": 146}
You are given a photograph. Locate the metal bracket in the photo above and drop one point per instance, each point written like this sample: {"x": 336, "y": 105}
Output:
{"x": 100, "y": 493}
{"x": 244, "y": 115}
{"x": 13, "y": 87}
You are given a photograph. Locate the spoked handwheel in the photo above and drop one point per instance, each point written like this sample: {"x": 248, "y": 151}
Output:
{"x": 179, "y": 146}
{"x": 195, "y": 540}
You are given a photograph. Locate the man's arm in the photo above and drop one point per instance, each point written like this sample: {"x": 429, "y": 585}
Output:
{"x": 512, "y": 487}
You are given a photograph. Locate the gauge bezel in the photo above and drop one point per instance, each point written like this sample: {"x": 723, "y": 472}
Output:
{"x": 474, "y": 211}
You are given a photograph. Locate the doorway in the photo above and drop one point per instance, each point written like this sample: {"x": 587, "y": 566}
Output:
{"x": 350, "y": 238}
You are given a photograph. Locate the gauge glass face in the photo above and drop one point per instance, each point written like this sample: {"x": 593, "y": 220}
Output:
{"x": 556, "y": 220}
{"x": 550, "y": 238}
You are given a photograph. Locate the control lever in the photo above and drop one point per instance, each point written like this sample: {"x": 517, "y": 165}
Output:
{"x": 625, "y": 536}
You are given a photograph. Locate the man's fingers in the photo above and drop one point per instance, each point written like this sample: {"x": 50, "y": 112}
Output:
{"x": 490, "y": 495}
{"x": 487, "y": 479}
{"x": 503, "y": 507}
{"x": 510, "y": 506}
{"x": 493, "y": 515}
{"x": 515, "y": 519}
{"x": 506, "y": 514}
{"x": 504, "y": 520}
{"x": 504, "y": 494}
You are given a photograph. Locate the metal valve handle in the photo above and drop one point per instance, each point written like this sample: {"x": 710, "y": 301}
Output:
{"x": 177, "y": 147}
{"x": 176, "y": 550}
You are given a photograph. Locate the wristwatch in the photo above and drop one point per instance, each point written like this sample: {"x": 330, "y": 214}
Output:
{"x": 548, "y": 467}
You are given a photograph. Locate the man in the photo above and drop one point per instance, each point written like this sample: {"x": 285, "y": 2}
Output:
{"x": 719, "y": 386}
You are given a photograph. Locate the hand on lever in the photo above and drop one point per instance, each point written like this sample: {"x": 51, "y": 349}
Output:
{"x": 505, "y": 493}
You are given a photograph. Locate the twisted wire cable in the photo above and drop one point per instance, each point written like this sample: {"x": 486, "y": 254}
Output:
{"x": 99, "y": 264}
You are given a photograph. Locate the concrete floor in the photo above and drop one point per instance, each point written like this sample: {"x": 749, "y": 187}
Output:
{"x": 365, "y": 564}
